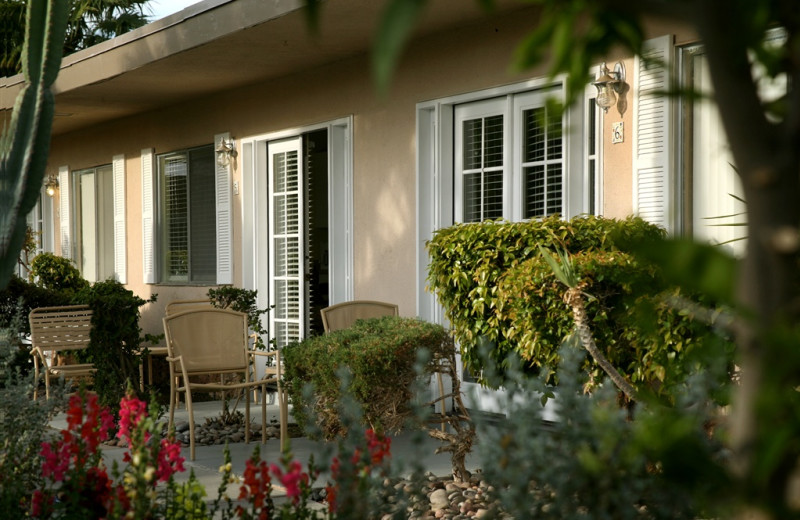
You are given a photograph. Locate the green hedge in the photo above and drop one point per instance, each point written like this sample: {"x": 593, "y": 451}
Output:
{"x": 495, "y": 286}
{"x": 115, "y": 339}
{"x": 380, "y": 354}
{"x": 116, "y": 335}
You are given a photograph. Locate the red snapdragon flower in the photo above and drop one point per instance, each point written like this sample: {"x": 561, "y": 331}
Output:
{"x": 169, "y": 460}
{"x": 379, "y": 446}
{"x": 257, "y": 487}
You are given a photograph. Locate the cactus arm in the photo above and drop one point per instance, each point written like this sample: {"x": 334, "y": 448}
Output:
{"x": 24, "y": 156}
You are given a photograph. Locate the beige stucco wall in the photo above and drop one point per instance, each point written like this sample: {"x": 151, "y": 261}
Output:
{"x": 384, "y": 145}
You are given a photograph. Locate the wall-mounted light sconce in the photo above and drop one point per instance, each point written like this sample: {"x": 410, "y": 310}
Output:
{"x": 51, "y": 185}
{"x": 609, "y": 84}
{"x": 226, "y": 150}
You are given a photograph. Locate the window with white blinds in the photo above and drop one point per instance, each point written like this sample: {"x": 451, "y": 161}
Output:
{"x": 482, "y": 172}
{"x": 542, "y": 161}
{"x": 187, "y": 216}
{"x": 509, "y": 158}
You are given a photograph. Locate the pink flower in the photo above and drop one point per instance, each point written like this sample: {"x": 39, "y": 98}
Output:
{"x": 291, "y": 479}
{"x": 38, "y": 502}
{"x": 131, "y": 412}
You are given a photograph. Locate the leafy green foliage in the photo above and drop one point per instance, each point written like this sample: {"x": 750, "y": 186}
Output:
{"x": 397, "y": 24}
{"x": 241, "y": 300}
{"x": 699, "y": 268}
{"x": 57, "y": 273}
{"x": 20, "y": 297}
{"x": 599, "y": 461}
{"x": 115, "y": 339}
{"x": 89, "y": 23}
{"x": 496, "y": 286}
{"x": 23, "y": 428}
{"x": 380, "y": 355}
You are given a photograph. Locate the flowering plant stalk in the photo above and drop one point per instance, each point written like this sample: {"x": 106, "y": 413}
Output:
{"x": 255, "y": 493}
{"x": 77, "y": 484}
{"x": 353, "y": 471}
{"x": 151, "y": 459}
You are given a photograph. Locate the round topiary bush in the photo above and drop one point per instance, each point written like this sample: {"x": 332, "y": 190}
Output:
{"x": 380, "y": 355}
{"x": 57, "y": 272}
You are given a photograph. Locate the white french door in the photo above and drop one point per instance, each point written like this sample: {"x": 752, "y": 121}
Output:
{"x": 286, "y": 238}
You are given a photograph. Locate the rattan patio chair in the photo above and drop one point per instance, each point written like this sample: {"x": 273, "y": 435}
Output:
{"x": 58, "y": 332}
{"x": 209, "y": 341}
{"x": 343, "y": 315}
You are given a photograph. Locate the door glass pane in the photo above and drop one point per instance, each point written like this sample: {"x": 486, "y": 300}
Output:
{"x": 554, "y": 176}
{"x": 534, "y": 191}
{"x": 202, "y": 215}
{"x": 542, "y": 163}
{"x": 482, "y": 168}
{"x": 88, "y": 228}
{"x": 472, "y": 197}
{"x": 315, "y": 151}
{"x": 533, "y": 135}
{"x": 105, "y": 222}
{"x": 493, "y": 195}
{"x": 493, "y": 143}
{"x": 473, "y": 144}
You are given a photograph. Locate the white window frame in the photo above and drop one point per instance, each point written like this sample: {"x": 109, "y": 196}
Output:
{"x": 68, "y": 220}
{"x": 78, "y": 205}
{"x": 481, "y": 109}
{"x": 255, "y": 208}
{"x": 151, "y": 230}
{"x": 436, "y": 197}
{"x": 590, "y": 94}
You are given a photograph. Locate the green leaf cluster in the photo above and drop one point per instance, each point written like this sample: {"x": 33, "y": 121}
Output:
{"x": 115, "y": 339}
{"x": 380, "y": 354}
{"x": 496, "y": 287}
{"x": 57, "y": 273}
{"x": 241, "y": 300}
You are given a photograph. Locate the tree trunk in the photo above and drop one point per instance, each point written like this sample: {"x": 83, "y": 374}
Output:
{"x": 574, "y": 299}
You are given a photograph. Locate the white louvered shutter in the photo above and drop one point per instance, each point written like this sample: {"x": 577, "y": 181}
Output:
{"x": 286, "y": 233}
{"x": 652, "y": 154}
{"x": 120, "y": 232}
{"x": 148, "y": 217}
{"x": 64, "y": 211}
{"x": 224, "y": 218}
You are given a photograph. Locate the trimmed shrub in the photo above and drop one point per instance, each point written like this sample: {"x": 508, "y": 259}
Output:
{"x": 57, "y": 273}
{"x": 380, "y": 354}
{"x": 496, "y": 288}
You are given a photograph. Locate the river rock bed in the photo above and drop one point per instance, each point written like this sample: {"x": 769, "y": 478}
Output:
{"x": 443, "y": 498}
{"x": 215, "y": 432}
